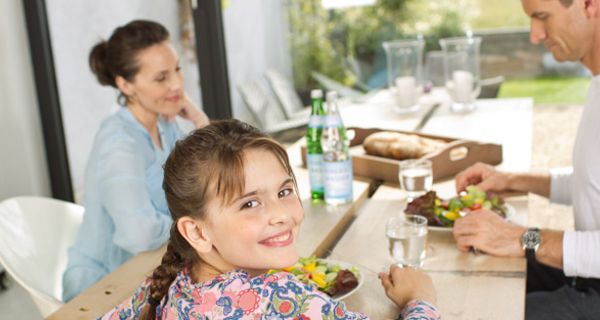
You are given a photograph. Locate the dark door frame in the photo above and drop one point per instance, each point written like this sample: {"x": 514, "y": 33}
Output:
{"x": 48, "y": 99}
{"x": 212, "y": 64}
{"x": 212, "y": 58}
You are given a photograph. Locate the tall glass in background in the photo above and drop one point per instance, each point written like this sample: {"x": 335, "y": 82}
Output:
{"x": 462, "y": 71}
{"x": 407, "y": 237}
{"x": 405, "y": 72}
{"x": 416, "y": 177}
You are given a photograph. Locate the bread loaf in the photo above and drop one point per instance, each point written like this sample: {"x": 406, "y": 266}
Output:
{"x": 399, "y": 145}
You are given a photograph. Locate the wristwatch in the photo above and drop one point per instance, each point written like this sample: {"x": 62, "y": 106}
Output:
{"x": 530, "y": 240}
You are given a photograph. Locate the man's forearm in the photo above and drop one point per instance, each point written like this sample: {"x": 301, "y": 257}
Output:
{"x": 538, "y": 183}
{"x": 550, "y": 251}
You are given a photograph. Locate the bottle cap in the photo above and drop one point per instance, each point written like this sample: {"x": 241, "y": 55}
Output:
{"x": 316, "y": 93}
{"x": 332, "y": 95}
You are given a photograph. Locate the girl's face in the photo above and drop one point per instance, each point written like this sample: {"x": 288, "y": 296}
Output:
{"x": 257, "y": 230}
{"x": 158, "y": 85}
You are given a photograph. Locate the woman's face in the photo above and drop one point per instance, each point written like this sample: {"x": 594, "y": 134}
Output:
{"x": 257, "y": 231}
{"x": 158, "y": 85}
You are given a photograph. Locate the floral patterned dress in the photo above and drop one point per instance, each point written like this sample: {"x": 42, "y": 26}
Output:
{"x": 235, "y": 295}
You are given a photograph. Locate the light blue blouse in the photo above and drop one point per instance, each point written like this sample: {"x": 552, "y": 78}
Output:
{"x": 125, "y": 207}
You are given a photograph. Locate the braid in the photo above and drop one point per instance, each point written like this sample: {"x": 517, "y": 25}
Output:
{"x": 172, "y": 262}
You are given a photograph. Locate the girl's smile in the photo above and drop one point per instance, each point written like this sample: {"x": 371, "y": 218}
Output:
{"x": 282, "y": 239}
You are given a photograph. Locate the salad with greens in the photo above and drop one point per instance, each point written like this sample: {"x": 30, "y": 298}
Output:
{"x": 443, "y": 213}
{"x": 330, "y": 278}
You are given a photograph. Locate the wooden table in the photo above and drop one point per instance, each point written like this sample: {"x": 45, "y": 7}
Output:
{"x": 508, "y": 122}
{"x": 322, "y": 226}
{"x": 469, "y": 286}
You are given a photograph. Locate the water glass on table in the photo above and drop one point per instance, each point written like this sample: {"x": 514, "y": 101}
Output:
{"x": 416, "y": 177}
{"x": 407, "y": 235}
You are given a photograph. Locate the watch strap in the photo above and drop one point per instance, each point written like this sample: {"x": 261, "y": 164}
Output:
{"x": 530, "y": 254}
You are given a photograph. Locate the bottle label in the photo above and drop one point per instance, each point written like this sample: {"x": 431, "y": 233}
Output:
{"x": 315, "y": 172}
{"x": 333, "y": 121}
{"x": 338, "y": 179}
{"x": 315, "y": 121}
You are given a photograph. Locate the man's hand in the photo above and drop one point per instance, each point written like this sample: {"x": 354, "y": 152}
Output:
{"x": 483, "y": 176}
{"x": 488, "y": 178}
{"x": 405, "y": 284}
{"x": 486, "y": 231}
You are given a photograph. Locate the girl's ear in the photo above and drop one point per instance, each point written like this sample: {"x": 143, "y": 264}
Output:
{"x": 193, "y": 232}
{"x": 124, "y": 86}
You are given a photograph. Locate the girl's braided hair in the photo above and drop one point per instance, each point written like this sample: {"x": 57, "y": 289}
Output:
{"x": 206, "y": 164}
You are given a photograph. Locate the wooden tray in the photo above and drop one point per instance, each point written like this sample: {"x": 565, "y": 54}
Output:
{"x": 447, "y": 162}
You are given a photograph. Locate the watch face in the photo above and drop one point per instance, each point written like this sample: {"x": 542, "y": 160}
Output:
{"x": 531, "y": 239}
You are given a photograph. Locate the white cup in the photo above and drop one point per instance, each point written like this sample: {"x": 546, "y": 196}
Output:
{"x": 463, "y": 86}
{"x": 407, "y": 92}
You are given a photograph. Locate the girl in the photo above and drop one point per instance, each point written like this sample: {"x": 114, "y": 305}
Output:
{"x": 125, "y": 207}
{"x": 236, "y": 214}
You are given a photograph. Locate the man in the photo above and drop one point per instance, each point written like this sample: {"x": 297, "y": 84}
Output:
{"x": 563, "y": 267}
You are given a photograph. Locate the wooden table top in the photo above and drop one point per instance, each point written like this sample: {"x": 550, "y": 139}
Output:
{"x": 469, "y": 286}
{"x": 321, "y": 227}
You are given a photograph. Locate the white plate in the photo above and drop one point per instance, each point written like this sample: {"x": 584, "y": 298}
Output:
{"x": 510, "y": 212}
{"x": 345, "y": 265}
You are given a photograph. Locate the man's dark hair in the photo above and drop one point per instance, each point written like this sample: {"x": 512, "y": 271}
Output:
{"x": 566, "y": 3}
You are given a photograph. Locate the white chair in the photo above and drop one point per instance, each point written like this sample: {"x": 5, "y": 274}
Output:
{"x": 347, "y": 92}
{"x": 287, "y": 96}
{"x": 265, "y": 109}
{"x": 35, "y": 234}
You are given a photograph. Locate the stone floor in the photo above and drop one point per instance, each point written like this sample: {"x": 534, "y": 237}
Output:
{"x": 16, "y": 303}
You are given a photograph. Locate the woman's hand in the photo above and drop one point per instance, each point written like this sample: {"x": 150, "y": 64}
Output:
{"x": 190, "y": 112}
{"x": 405, "y": 284}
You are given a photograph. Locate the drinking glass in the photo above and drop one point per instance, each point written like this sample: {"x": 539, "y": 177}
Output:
{"x": 407, "y": 235}
{"x": 416, "y": 177}
{"x": 434, "y": 68}
{"x": 405, "y": 72}
{"x": 462, "y": 71}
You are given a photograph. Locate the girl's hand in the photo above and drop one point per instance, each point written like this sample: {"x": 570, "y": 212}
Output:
{"x": 405, "y": 284}
{"x": 190, "y": 112}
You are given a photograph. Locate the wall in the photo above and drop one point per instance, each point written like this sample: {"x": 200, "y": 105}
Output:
{"x": 76, "y": 26}
{"x": 256, "y": 34}
{"x": 23, "y": 168}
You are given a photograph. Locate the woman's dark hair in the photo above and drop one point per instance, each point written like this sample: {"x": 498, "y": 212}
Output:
{"x": 206, "y": 164}
{"x": 118, "y": 55}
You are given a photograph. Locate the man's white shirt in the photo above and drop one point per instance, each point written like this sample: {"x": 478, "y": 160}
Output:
{"x": 579, "y": 186}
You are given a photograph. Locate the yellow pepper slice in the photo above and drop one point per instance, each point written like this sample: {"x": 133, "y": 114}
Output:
{"x": 310, "y": 267}
{"x": 451, "y": 215}
{"x": 319, "y": 279}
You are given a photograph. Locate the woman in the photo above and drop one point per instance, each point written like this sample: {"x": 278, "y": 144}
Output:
{"x": 126, "y": 211}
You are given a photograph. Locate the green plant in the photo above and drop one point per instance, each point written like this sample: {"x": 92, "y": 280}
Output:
{"x": 327, "y": 41}
{"x": 450, "y": 26}
{"x": 309, "y": 38}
